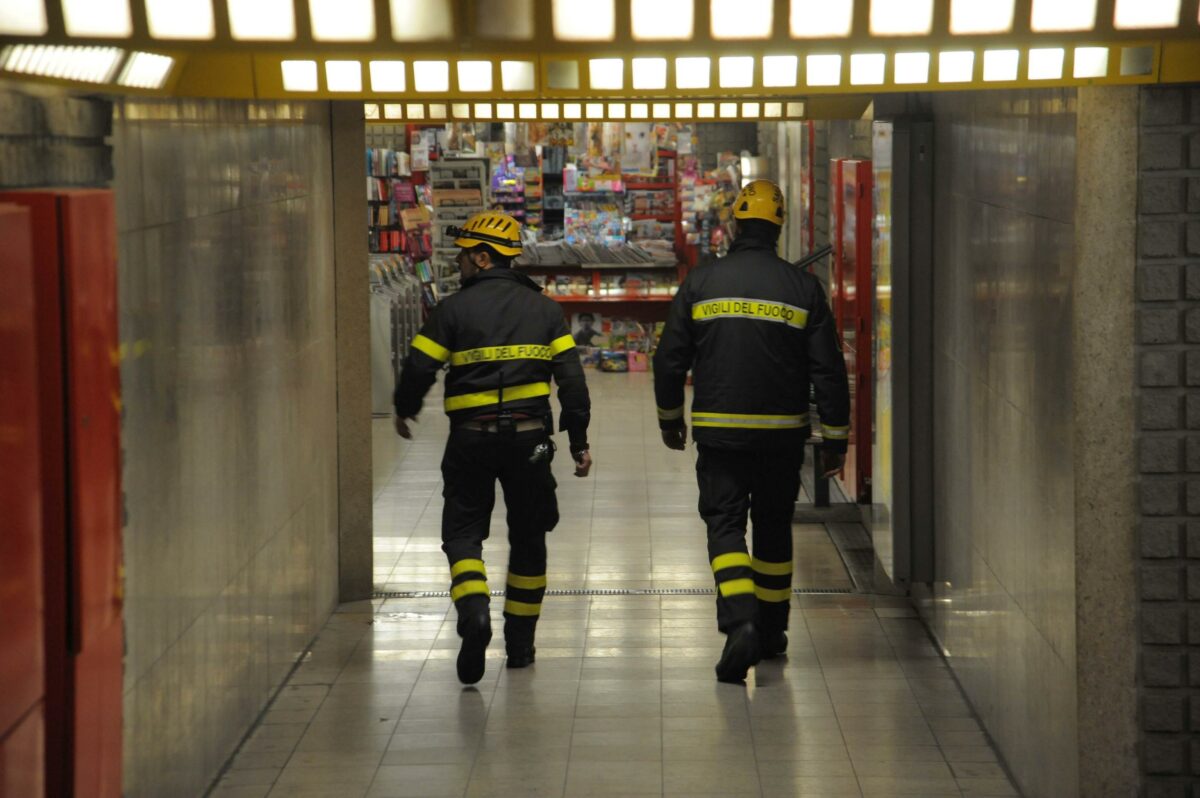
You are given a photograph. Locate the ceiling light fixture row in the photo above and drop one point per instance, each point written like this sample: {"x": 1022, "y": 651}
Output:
{"x": 94, "y": 65}
{"x": 584, "y": 110}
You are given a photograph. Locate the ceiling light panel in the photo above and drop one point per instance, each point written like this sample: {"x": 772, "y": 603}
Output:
{"x": 180, "y": 19}
{"x": 417, "y": 111}
{"x": 795, "y": 109}
{"x": 475, "y": 76}
{"x": 1062, "y": 15}
{"x": 735, "y": 72}
{"x": 342, "y": 20}
{"x": 911, "y": 68}
{"x": 811, "y": 19}
{"x": 549, "y": 111}
{"x": 23, "y": 18}
{"x": 662, "y": 110}
{"x": 483, "y": 110}
{"x": 750, "y": 110}
{"x": 607, "y": 74}
{"x": 393, "y": 111}
{"x": 1046, "y": 63}
{"x": 616, "y": 110}
{"x": 693, "y": 73}
{"x": 421, "y": 20}
{"x": 146, "y": 70}
{"x": 956, "y": 66}
{"x": 1139, "y": 14}
{"x": 981, "y": 16}
{"x": 772, "y": 110}
{"x": 461, "y": 110}
{"x": 429, "y": 76}
{"x": 388, "y": 76}
{"x": 1090, "y": 62}
{"x": 517, "y": 75}
{"x": 99, "y": 18}
{"x": 639, "y": 111}
{"x": 683, "y": 110}
{"x": 83, "y": 64}
{"x": 511, "y": 20}
{"x": 742, "y": 19}
{"x": 729, "y": 110}
{"x": 262, "y": 20}
{"x": 436, "y": 111}
{"x": 649, "y": 73}
{"x": 572, "y": 110}
{"x": 902, "y": 17}
{"x": 779, "y": 71}
{"x": 585, "y": 20}
{"x": 823, "y": 70}
{"x": 506, "y": 110}
{"x": 343, "y": 76}
{"x": 595, "y": 110}
{"x": 657, "y": 20}
{"x": 866, "y": 69}
{"x": 1000, "y": 65}
{"x": 299, "y": 75}
{"x": 528, "y": 110}
{"x": 706, "y": 110}
{"x": 371, "y": 110}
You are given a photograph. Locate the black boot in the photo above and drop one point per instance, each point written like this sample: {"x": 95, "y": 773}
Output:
{"x": 742, "y": 652}
{"x": 518, "y": 640}
{"x": 475, "y": 629}
{"x": 774, "y": 644}
{"x": 521, "y": 656}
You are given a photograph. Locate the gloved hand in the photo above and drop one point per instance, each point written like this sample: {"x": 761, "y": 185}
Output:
{"x": 675, "y": 438}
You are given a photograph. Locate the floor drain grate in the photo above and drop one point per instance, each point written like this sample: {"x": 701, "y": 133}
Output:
{"x": 622, "y": 591}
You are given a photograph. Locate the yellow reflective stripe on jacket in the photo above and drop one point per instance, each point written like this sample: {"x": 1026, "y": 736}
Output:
{"x": 562, "y": 344}
{"x": 484, "y": 398}
{"x": 731, "y": 560}
{"x": 670, "y": 415}
{"x": 464, "y": 566}
{"x": 736, "y": 587}
{"x": 431, "y": 347}
{"x": 468, "y": 588}
{"x": 748, "y": 420}
{"x": 488, "y": 354}
{"x": 521, "y": 608}
{"x": 771, "y": 568}
{"x": 835, "y": 433}
{"x": 772, "y": 595}
{"x": 743, "y": 308}
{"x": 526, "y": 582}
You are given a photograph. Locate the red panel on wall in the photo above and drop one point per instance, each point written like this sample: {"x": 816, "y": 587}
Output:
{"x": 21, "y": 621}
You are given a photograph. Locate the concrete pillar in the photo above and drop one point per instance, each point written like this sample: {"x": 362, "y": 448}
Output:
{"x": 1105, "y": 500}
{"x": 352, "y": 309}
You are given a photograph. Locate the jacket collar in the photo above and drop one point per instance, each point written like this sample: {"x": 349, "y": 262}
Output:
{"x": 502, "y": 274}
{"x": 751, "y": 244}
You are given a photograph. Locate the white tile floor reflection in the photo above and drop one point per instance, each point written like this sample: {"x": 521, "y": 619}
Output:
{"x": 622, "y": 700}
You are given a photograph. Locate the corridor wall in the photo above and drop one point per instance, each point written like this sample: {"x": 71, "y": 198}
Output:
{"x": 229, "y": 432}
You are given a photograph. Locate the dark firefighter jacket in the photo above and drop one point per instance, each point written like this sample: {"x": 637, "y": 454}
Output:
{"x": 755, "y": 331}
{"x": 503, "y": 341}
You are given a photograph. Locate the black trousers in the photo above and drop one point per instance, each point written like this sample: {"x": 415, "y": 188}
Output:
{"x": 471, "y": 465}
{"x": 762, "y": 485}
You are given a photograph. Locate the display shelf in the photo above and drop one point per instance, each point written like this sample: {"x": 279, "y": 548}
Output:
{"x": 632, "y": 186}
{"x": 652, "y": 217}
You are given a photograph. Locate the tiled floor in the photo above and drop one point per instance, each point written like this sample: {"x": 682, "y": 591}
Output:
{"x": 622, "y": 700}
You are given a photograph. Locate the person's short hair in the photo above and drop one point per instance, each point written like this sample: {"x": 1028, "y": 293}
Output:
{"x": 499, "y": 260}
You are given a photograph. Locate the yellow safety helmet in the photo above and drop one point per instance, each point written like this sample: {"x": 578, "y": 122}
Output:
{"x": 498, "y": 230}
{"x": 760, "y": 199}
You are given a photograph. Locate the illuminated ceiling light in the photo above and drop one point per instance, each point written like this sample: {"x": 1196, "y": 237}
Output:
{"x": 299, "y": 75}
{"x": 436, "y": 111}
{"x": 461, "y": 110}
{"x": 421, "y": 20}
{"x": 393, "y": 111}
{"x": 263, "y": 20}
{"x": 23, "y": 18}
{"x": 517, "y": 75}
{"x": 1090, "y": 62}
{"x": 549, "y": 110}
{"x": 772, "y": 110}
{"x": 742, "y": 19}
{"x": 370, "y": 111}
{"x": 342, "y": 20}
{"x": 639, "y": 111}
{"x": 572, "y": 110}
{"x": 683, "y": 110}
{"x": 475, "y": 76}
{"x": 706, "y": 110}
{"x": 795, "y": 109}
{"x": 1000, "y": 65}
{"x": 84, "y": 64}
{"x": 955, "y": 66}
{"x": 180, "y": 19}
{"x": 780, "y": 70}
{"x": 981, "y": 16}
{"x": 483, "y": 110}
{"x": 585, "y": 20}
{"x": 607, "y": 73}
{"x": 146, "y": 70}
{"x": 912, "y": 67}
{"x": 100, "y": 18}
{"x": 506, "y": 110}
{"x": 823, "y": 70}
{"x": 528, "y": 110}
{"x": 693, "y": 73}
{"x": 1146, "y": 14}
{"x": 417, "y": 111}
{"x": 649, "y": 73}
{"x": 662, "y": 110}
{"x": 750, "y": 110}
{"x": 343, "y": 75}
{"x": 1046, "y": 63}
{"x": 901, "y": 17}
{"x": 503, "y": 19}
{"x": 866, "y": 69}
{"x": 729, "y": 110}
{"x": 616, "y": 110}
{"x": 1062, "y": 15}
{"x": 818, "y": 19}
{"x": 431, "y": 75}
{"x": 595, "y": 110}
{"x": 735, "y": 72}
{"x": 663, "y": 19}
{"x": 388, "y": 76}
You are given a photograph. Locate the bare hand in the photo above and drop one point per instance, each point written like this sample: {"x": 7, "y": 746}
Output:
{"x": 402, "y": 427}
{"x": 833, "y": 463}
{"x": 675, "y": 438}
{"x": 583, "y": 464}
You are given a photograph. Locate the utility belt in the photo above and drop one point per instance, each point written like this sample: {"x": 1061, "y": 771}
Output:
{"x": 511, "y": 425}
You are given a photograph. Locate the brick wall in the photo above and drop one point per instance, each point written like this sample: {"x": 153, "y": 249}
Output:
{"x": 1168, "y": 331}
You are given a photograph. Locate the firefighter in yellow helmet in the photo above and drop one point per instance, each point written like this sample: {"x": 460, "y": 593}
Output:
{"x": 755, "y": 332}
{"x": 502, "y": 342}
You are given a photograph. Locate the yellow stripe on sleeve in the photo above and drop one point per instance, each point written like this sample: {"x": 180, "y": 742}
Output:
{"x": 670, "y": 415}
{"x": 562, "y": 344}
{"x": 431, "y": 347}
